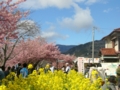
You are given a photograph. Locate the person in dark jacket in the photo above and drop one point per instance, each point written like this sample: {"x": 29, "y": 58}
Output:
{"x": 87, "y": 68}
{"x": 2, "y": 74}
{"x": 7, "y": 72}
{"x": 112, "y": 83}
{"x": 118, "y": 76}
{"x": 18, "y": 69}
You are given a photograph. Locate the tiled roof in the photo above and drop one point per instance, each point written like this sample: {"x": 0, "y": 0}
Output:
{"x": 108, "y": 51}
{"x": 115, "y": 30}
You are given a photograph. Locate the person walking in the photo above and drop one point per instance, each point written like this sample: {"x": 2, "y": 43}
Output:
{"x": 2, "y": 74}
{"x": 24, "y": 71}
{"x": 52, "y": 67}
{"x": 118, "y": 76}
{"x": 63, "y": 68}
{"x": 112, "y": 83}
{"x": 86, "y": 73}
{"x": 7, "y": 72}
{"x": 67, "y": 69}
{"x": 19, "y": 67}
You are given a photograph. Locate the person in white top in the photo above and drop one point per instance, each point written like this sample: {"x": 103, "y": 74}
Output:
{"x": 67, "y": 69}
{"x": 52, "y": 68}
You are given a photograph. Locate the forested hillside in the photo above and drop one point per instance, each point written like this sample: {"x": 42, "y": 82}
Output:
{"x": 84, "y": 50}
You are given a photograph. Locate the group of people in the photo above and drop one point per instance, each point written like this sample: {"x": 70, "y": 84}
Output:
{"x": 20, "y": 69}
{"x": 66, "y": 68}
{"x": 24, "y": 71}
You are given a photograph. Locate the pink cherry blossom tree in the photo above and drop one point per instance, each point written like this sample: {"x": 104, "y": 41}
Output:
{"x": 34, "y": 51}
{"x": 10, "y": 15}
{"x": 65, "y": 59}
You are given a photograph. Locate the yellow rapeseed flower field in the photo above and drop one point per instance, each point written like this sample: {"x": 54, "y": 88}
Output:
{"x": 50, "y": 81}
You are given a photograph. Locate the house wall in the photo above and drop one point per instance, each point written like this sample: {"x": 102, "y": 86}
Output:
{"x": 119, "y": 42}
{"x": 108, "y": 43}
{"x": 112, "y": 41}
{"x": 116, "y": 45}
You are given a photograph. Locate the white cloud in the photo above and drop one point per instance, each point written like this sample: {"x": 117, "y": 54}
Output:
{"x": 89, "y": 2}
{"x": 40, "y": 4}
{"x": 37, "y": 4}
{"x": 107, "y": 10}
{"x": 81, "y": 20}
{"x": 50, "y": 34}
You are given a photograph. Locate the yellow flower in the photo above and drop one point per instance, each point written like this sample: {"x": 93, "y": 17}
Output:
{"x": 47, "y": 66}
{"x": 41, "y": 70}
{"x": 34, "y": 72}
{"x": 2, "y": 87}
{"x": 30, "y": 66}
{"x": 52, "y": 81}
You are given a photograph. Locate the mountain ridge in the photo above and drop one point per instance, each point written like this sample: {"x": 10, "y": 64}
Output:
{"x": 64, "y": 48}
{"x": 83, "y": 50}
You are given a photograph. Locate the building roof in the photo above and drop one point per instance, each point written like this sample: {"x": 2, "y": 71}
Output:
{"x": 108, "y": 51}
{"x": 115, "y": 30}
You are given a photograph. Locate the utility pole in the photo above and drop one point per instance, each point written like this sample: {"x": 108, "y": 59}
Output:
{"x": 93, "y": 31}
